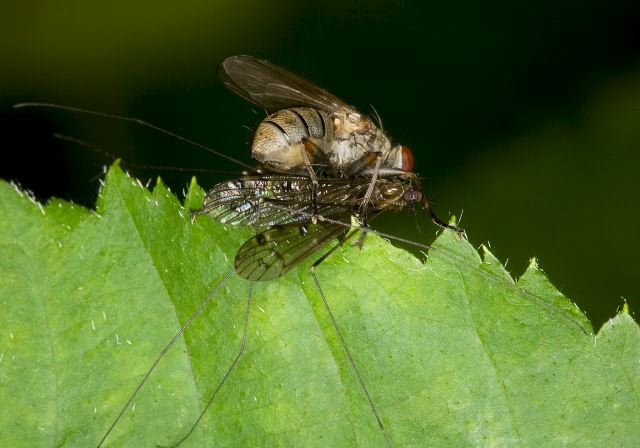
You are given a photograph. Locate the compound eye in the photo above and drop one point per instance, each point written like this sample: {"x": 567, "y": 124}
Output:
{"x": 407, "y": 159}
{"x": 412, "y": 196}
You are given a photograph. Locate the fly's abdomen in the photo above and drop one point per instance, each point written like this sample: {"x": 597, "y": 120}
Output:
{"x": 278, "y": 140}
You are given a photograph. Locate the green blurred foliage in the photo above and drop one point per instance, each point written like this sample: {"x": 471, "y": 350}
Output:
{"x": 523, "y": 115}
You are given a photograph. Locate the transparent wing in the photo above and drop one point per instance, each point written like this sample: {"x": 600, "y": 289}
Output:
{"x": 276, "y": 200}
{"x": 274, "y": 252}
{"x": 273, "y": 87}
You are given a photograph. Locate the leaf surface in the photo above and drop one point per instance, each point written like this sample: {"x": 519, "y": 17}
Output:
{"x": 452, "y": 351}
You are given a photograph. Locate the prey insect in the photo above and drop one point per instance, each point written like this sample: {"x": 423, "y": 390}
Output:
{"x": 282, "y": 208}
{"x": 322, "y": 162}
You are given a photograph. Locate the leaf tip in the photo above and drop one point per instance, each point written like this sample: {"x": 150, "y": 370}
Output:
{"x": 485, "y": 250}
{"x": 625, "y": 308}
{"x": 113, "y": 172}
{"x": 355, "y": 222}
{"x": 487, "y": 255}
{"x": 194, "y": 198}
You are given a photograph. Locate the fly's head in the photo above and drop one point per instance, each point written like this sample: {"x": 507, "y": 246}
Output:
{"x": 399, "y": 158}
{"x": 406, "y": 159}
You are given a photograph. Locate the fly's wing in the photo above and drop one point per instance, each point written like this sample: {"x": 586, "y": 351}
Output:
{"x": 273, "y": 87}
{"x": 276, "y": 200}
{"x": 274, "y": 252}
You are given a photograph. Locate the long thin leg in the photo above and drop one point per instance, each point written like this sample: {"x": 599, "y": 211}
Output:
{"x": 363, "y": 386}
{"x": 309, "y": 147}
{"x": 235, "y": 360}
{"x": 369, "y": 192}
{"x": 161, "y": 355}
{"x": 132, "y": 120}
{"x": 364, "y": 205}
{"x": 436, "y": 220}
{"x": 114, "y": 157}
{"x": 361, "y": 165}
{"x": 226, "y": 375}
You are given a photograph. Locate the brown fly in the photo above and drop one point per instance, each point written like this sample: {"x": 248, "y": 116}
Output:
{"x": 344, "y": 165}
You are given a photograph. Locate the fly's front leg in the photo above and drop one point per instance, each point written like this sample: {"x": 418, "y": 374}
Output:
{"x": 373, "y": 156}
{"x": 370, "y": 158}
{"x": 310, "y": 148}
{"x": 427, "y": 207}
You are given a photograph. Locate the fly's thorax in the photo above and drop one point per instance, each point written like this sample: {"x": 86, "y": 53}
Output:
{"x": 396, "y": 159}
{"x": 355, "y": 136}
{"x": 278, "y": 140}
{"x": 347, "y": 121}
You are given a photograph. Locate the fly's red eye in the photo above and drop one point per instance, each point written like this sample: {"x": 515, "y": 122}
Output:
{"x": 407, "y": 159}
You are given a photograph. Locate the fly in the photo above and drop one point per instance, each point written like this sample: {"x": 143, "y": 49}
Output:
{"x": 310, "y": 131}
{"x": 309, "y": 127}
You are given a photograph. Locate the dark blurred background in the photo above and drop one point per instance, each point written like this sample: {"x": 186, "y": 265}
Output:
{"x": 524, "y": 115}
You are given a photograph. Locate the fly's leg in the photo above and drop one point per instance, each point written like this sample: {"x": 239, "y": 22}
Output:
{"x": 236, "y": 359}
{"x": 368, "y": 159}
{"x": 427, "y": 207}
{"x": 334, "y": 323}
{"x": 226, "y": 375}
{"x": 135, "y": 121}
{"x": 161, "y": 355}
{"x": 308, "y": 147}
{"x": 355, "y": 168}
{"x": 367, "y": 196}
{"x": 362, "y": 165}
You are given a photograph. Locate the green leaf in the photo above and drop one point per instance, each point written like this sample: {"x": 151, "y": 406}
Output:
{"x": 452, "y": 352}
